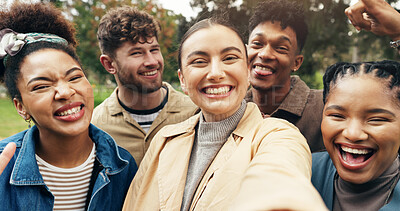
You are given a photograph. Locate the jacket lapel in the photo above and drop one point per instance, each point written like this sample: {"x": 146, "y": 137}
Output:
{"x": 172, "y": 169}
{"x": 219, "y": 162}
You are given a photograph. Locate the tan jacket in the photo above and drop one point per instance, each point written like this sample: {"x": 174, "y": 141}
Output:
{"x": 265, "y": 164}
{"x": 302, "y": 107}
{"x": 111, "y": 117}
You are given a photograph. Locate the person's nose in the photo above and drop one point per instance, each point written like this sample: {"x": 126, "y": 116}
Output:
{"x": 150, "y": 59}
{"x": 216, "y": 72}
{"x": 354, "y": 131}
{"x": 266, "y": 53}
{"x": 64, "y": 91}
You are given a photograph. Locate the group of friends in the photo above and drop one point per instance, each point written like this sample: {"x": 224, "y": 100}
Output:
{"x": 220, "y": 145}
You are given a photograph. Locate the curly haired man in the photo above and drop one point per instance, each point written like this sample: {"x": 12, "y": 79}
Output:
{"x": 142, "y": 103}
{"x": 278, "y": 32}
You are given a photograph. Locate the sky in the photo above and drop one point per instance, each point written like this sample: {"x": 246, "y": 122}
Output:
{"x": 183, "y": 6}
{"x": 179, "y": 7}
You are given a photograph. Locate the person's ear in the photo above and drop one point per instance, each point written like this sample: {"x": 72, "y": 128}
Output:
{"x": 298, "y": 61}
{"x": 108, "y": 63}
{"x": 182, "y": 80}
{"x": 19, "y": 106}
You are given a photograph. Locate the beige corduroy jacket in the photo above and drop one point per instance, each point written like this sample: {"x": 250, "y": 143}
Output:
{"x": 111, "y": 117}
{"x": 265, "y": 164}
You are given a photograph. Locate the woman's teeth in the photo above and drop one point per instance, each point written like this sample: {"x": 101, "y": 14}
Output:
{"x": 217, "y": 91}
{"x": 70, "y": 111}
{"x": 149, "y": 73}
{"x": 356, "y": 151}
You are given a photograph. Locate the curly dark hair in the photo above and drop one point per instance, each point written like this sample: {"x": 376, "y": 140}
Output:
{"x": 288, "y": 13}
{"x": 123, "y": 24}
{"x": 33, "y": 18}
{"x": 386, "y": 69}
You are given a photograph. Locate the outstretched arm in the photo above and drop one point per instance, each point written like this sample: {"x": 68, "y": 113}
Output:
{"x": 376, "y": 16}
{"x": 6, "y": 155}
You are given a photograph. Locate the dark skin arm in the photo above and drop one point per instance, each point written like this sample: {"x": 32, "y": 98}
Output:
{"x": 376, "y": 16}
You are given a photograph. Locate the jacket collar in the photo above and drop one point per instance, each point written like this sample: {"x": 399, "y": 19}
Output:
{"x": 26, "y": 170}
{"x": 246, "y": 124}
{"x": 252, "y": 114}
{"x": 296, "y": 100}
{"x": 173, "y": 104}
{"x": 168, "y": 185}
{"x": 107, "y": 151}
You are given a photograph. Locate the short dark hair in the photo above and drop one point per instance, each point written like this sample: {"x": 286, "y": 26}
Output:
{"x": 34, "y": 18}
{"x": 123, "y": 24}
{"x": 388, "y": 70}
{"x": 218, "y": 19}
{"x": 288, "y": 13}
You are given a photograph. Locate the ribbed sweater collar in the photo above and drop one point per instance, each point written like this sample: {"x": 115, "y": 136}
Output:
{"x": 211, "y": 132}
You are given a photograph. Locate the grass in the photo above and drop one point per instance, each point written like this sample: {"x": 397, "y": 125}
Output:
{"x": 10, "y": 122}
{"x": 100, "y": 93}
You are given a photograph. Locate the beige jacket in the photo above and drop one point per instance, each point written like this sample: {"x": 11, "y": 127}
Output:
{"x": 111, "y": 117}
{"x": 265, "y": 164}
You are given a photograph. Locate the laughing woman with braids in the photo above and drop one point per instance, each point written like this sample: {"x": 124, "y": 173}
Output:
{"x": 63, "y": 162}
{"x": 361, "y": 168}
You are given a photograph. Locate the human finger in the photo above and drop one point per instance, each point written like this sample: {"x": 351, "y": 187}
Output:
{"x": 355, "y": 15}
{"x": 6, "y": 155}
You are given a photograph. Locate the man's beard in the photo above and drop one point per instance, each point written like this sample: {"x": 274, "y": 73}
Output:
{"x": 137, "y": 87}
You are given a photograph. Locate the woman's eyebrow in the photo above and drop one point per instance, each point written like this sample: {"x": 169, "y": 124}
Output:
{"x": 197, "y": 53}
{"x": 230, "y": 49}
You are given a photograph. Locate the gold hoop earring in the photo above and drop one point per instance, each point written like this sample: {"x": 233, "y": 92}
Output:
{"x": 28, "y": 120}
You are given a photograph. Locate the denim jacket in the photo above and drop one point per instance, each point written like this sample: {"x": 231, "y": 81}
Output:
{"x": 22, "y": 186}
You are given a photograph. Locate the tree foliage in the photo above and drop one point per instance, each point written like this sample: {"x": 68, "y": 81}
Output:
{"x": 331, "y": 37}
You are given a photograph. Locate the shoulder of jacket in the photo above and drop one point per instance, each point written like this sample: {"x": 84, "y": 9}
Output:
{"x": 179, "y": 128}
{"x": 17, "y": 139}
{"x": 277, "y": 123}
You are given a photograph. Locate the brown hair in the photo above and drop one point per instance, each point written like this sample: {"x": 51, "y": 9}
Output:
{"x": 218, "y": 19}
{"x": 124, "y": 24}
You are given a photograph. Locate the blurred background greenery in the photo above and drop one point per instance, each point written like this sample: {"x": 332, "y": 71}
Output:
{"x": 331, "y": 39}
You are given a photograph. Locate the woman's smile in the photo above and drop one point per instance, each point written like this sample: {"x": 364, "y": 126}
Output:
{"x": 216, "y": 91}
{"x": 70, "y": 112}
{"x": 215, "y": 76}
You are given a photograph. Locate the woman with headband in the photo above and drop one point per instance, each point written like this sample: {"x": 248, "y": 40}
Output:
{"x": 62, "y": 162}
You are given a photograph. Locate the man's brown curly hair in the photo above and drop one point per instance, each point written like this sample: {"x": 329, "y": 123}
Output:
{"x": 123, "y": 24}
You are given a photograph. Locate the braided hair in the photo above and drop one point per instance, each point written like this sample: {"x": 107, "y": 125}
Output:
{"x": 387, "y": 70}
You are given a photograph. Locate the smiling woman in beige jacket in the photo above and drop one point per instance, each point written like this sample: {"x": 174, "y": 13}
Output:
{"x": 227, "y": 156}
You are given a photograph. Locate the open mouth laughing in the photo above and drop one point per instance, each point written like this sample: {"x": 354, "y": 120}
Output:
{"x": 355, "y": 158}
